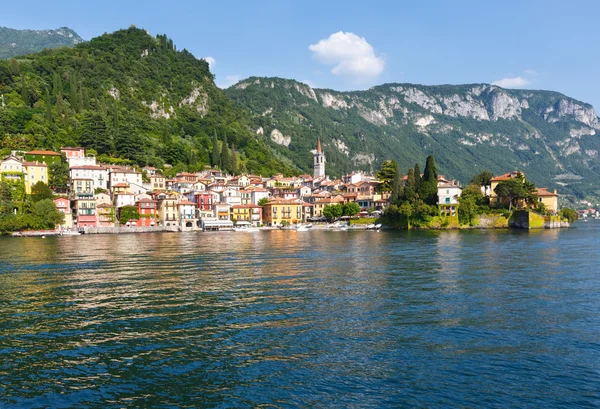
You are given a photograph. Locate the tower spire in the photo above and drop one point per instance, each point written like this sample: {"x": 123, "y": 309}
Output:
{"x": 319, "y": 146}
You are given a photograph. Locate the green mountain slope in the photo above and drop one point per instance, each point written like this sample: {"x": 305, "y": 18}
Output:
{"x": 468, "y": 128}
{"x": 126, "y": 95}
{"x": 20, "y": 42}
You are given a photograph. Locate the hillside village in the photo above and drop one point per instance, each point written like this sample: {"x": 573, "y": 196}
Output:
{"x": 109, "y": 196}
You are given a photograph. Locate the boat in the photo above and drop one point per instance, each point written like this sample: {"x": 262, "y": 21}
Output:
{"x": 246, "y": 229}
{"x": 302, "y": 228}
{"x": 378, "y": 226}
{"x": 70, "y": 233}
{"x": 370, "y": 226}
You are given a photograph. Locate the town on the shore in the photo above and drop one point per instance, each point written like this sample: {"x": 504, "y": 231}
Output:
{"x": 112, "y": 198}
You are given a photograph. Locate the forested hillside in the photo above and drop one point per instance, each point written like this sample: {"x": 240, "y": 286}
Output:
{"x": 469, "y": 128}
{"x": 20, "y": 42}
{"x": 129, "y": 97}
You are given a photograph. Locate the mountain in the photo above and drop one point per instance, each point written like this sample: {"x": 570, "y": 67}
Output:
{"x": 469, "y": 128}
{"x": 14, "y": 43}
{"x": 132, "y": 98}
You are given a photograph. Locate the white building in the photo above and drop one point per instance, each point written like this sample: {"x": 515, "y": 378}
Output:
{"x": 448, "y": 193}
{"x": 98, "y": 174}
{"x": 118, "y": 174}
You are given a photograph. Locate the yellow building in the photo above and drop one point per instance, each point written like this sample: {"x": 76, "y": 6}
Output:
{"x": 34, "y": 172}
{"x": 247, "y": 213}
{"x": 277, "y": 211}
{"x": 549, "y": 199}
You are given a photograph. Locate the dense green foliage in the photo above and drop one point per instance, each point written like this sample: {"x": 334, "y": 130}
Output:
{"x": 127, "y": 213}
{"x": 333, "y": 212}
{"x": 128, "y": 96}
{"x": 516, "y": 190}
{"x": 362, "y": 129}
{"x": 20, "y": 42}
{"x": 569, "y": 214}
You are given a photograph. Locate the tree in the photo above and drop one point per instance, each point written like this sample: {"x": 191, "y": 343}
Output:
{"x": 417, "y": 177}
{"x": 59, "y": 175}
{"x": 48, "y": 103}
{"x": 47, "y": 213}
{"x": 41, "y": 191}
{"x": 469, "y": 201}
{"x": 386, "y": 175}
{"x": 516, "y": 189}
{"x": 94, "y": 134}
{"x": 409, "y": 186}
{"x": 233, "y": 160}
{"x": 484, "y": 178}
{"x": 428, "y": 188}
{"x": 127, "y": 213}
{"x": 333, "y": 212}
{"x": 263, "y": 201}
{"x": 569, "y": 214}
{"x": 6, "y": 200}
{"x": 351, "y": 209}
{"x": 396, "y": 185}
{"x": 215, "y": 159}
{"x": 225, "y": 157}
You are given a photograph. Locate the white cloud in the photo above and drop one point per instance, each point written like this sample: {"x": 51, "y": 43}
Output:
{"x": 309, "y": 83}
{"x": 351, "y": 56}
{"x": 211, "y": 62}
{"x": 515, "y": 82}
{"x": 229, "y": 81}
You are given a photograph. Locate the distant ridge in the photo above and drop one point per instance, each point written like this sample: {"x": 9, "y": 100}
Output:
{"x": 21, "y": 42}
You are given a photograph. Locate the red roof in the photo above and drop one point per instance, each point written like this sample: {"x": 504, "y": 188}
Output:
{"x": 48, "y": 153}
{"x": 542, "y": 191}
{"x": 122, "y": 184}
{"x": 506, "y": 176}
{"x": 186, "y": 202}
{"x": 146, "y": 200}
{"x": 68, "y": 148}
{"x": 41, "y": 164}
{"x": 89, "y": 167}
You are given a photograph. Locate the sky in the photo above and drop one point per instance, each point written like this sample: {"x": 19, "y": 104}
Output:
{"x": 352, "y": 45}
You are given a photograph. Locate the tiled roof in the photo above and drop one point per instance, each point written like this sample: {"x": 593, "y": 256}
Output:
{"x": 40, "y": 164}
{"x": 47, "y": 153}
{"x": 542, "y": 191}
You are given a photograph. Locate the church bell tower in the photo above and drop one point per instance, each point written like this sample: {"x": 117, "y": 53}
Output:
{"x": 319, "y": 161}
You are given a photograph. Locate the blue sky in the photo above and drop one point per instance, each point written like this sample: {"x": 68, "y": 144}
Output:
{"x": 350, "y": 44}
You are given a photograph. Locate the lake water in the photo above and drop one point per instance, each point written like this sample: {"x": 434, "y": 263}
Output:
{"x": 318, "y": 319}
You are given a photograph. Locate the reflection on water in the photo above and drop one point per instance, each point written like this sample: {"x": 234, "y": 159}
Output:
{"x": 302, "y": 319}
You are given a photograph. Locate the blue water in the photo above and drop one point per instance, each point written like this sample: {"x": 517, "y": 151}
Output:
{"x": 470, "y": 319}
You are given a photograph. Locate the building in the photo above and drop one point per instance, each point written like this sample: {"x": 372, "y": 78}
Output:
{"x": 278, "y": 212}
{"x": 251, "y": 214}
{"x": 448, "y": 193}
{"x": 119, "y": 174}
{"x": 63, "y": 205}
{"x": 167, "y": 209}
{"x": 147, "y": 208}
{"x": 319, "y": 161}
{"x": 85, "y": 210}
{"x": 157, "y": 182}
{"x": 47, "y": 157}
{"x": 548, "y": 199}
{"x": 187, "y": 215}
{"x": 11, "y": 167}
{"x": 76, "y": 157}
{"x": 98, "y": 174}
{"x": 106, "y": 214}
{"x": 34, "y": 172}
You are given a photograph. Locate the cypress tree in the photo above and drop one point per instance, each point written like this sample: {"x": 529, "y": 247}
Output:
{"x": 233, "y": 160}
{"x": 24, "y": 91}
{"x": 48, "y": 103}
{"x": 73, "y": 97}
{"x": 428, "y": 191}
{"x": 215, "y": 158}
{"x": 418, "y": 179}
{"x": 225, "y": 156}
{"x": 409, "y": 186}
{"x": 396, "y": 186}
{"x": 57, "y": 86}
